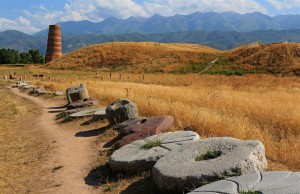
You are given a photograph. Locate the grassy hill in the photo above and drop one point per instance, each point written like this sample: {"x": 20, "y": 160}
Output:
{"x": 130, "y": 56}
{"x": 275, "y": 58}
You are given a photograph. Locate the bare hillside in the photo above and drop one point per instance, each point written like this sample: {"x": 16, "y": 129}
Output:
{"x": 147, "y": 56}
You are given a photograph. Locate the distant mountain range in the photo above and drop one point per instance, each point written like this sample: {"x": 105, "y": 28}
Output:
{"x": 217, "y": 39}
{"x": 207, "y": 22}
{"x": 218, "y": 30}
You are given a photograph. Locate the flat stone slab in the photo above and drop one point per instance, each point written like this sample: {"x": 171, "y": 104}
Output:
{"x": 100, "y": 112}
{"x": 144, "y": 128}
{"x": 208, "y": 160}
{"x": 274, "y": 182}
{"x": 81, "y": 104}
{"x": 86, "y": 113}
{"x": 134, "y": 157}
{"x": 29, "y": 87}
{"x": 58, "y": 93}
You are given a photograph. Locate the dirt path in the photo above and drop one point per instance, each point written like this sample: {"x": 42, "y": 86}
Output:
{"x": 210, "y": 64}
{"x": 71, "y": 156}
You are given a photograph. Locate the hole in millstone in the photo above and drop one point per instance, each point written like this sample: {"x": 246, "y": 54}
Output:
{"x": 210, "y": 154}
{"x": 144, "y": 120}
{"x": 151, "y": 144}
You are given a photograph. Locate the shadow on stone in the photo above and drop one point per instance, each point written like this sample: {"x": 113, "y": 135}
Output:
{"x": 91, "y": 133}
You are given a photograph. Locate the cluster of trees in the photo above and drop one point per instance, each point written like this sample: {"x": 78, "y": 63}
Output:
{"x": 11, "y": 56}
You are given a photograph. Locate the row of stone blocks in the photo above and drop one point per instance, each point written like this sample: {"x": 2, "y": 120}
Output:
{"x": 180, "y": 160}
{"x": 37, "y": 90}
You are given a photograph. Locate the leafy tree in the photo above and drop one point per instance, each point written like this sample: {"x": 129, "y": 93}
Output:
{"x": 25, "y": 58}
{"x": 9, "y": 56}
{"x": 36, "y": 56}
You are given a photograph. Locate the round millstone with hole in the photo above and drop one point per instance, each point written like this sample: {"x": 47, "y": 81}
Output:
{"x": 143, "y": 154}
{"x": 274, "y": 182}
{"x": 199, "y": 162}
{"x": 86, "y": 113}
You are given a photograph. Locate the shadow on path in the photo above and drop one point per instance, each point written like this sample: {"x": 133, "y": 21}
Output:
{"x": 91, "y": 133}
{"x": 58, "y": 107}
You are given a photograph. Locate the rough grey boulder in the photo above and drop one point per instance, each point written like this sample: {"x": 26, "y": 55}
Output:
{"x": 77, "y": 93}
{"x": 136, "y": 157}
{"x": 208, "y": 160}
{"x": 275, "y": 182}
{"x": 120, "y": 111}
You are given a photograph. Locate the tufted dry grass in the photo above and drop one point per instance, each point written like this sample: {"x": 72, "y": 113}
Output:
{"x": 250, "y": 107}
{"x": 22, "y": 147}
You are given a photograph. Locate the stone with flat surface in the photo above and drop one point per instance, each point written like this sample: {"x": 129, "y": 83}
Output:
{"x": 145, "y": 128}
{"x": 134, "y": 157}
{"x": 274, "y": 182}
{"x": 86, "y": 113}
{"x": 80, "y": 104}
{"x": 187, "y": 166}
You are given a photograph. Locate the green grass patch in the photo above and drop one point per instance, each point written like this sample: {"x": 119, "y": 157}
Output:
{"x": 151, "y": 144}
{"x": 208, "y": 155}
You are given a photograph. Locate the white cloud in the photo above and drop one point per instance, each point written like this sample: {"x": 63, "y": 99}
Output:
{"x": 23, "y": 21}
{"x": 282, "y": 5}
{"x": 21, "y": 24}
{"x": 172, "y": 7}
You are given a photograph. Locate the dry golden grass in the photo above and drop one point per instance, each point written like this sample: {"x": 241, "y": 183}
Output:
{"x": 135, "y": 56}
{"x": 149, "y": 57}
{"x": 250, "y": 107}
{"x": 278, "y": 58}
{"x": 21, "y": 147}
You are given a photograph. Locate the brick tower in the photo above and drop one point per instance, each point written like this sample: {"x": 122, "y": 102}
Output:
{"x": 54, "y": 49}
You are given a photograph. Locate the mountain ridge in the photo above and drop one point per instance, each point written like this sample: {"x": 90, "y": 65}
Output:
{"x": 217, "y": 39}
{"x": 205, "y": 21}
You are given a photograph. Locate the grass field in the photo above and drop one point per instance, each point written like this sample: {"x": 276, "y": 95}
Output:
{"x": 246, "y": 107}
{"x": 21, "y": 147}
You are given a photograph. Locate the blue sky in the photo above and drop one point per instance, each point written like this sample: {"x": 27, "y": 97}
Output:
{"x": 31, "y": 16}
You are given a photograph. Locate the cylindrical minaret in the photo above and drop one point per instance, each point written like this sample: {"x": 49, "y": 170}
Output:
{"x": 54, "y": 49}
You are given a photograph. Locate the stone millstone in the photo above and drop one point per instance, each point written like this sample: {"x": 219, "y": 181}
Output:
{"x": 129, "y": 123}
{"x": 276, "y": 182}
{"x": 120, "y": 111}
{"x": 86, "y": 113}
{"x": 179, "y": 169}
{"x": 133, "y": 157}
{"x": 145, "y": 128}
